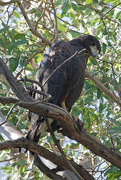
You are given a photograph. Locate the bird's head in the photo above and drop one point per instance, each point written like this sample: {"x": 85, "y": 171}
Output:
{"x": 91, "y": 44}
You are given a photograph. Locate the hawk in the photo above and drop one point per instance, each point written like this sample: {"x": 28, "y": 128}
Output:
{"x": 66, "y": 84}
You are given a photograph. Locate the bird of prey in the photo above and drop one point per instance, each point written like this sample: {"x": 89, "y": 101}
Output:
{"x": 66, "y": 84}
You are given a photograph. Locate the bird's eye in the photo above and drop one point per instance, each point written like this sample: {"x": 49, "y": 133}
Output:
{"x": 93, "y": 43}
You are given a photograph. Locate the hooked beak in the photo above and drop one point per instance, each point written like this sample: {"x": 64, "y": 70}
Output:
{"x": 94, "y": 54}
{"x": 94, "y": 51}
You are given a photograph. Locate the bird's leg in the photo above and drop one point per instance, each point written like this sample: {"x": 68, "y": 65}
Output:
{"x": 63, "y": 105}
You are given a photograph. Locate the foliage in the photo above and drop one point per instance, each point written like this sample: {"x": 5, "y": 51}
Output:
{"x": 22, "y": 52}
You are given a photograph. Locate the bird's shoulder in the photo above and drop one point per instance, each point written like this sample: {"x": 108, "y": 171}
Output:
{"x": 59, "y": 52}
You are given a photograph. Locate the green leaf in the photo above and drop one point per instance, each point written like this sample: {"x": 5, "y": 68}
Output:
{"x": 65, "y": 7}
{"x": 17, "y": 43}
{"x": 58, "y": 2}
{"x": 61, "y": 27}
{"x": 21, "y": 170}
{"x": 118, "y": 15}
{"x": 89, "y": 99}
{"x": 93, "y": 61}
{"x": 23, "y": 62}
{"x": 88, "y": 1}
{"x": 16, "y": 14}
{"x": 19, "y": 36}
{"x": 75, "y": 8}
{"x": 99, "y": 93}
{"x": 94, "y": 115}
{"x": 3, "y": 156}
{"x": 104, "y": 48}
{"x": 49, "y": 139}
{"x": 108, "y": 1}
{"x": 96, "y": 1}
{"x": 101, "y": 107}
{"x": 6, "y": 28}
{"x": 64, "y": 11}
{"x": 2, "y": 44}
{"x": 78, "y": 1}
{"x": 13, "y": 63}
{"x": 114, "y": 130}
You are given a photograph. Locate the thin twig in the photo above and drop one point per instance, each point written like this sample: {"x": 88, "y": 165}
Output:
{"x": 31, "y": 80}
{"x": 11, "y": 109}
{"x": 19, "y": 73}
{"x": 112, "y": 8}
{"x": 43, "y": 12}
{"x": 55, "y": 21}
{"x": 112, "y": 79}
{"x": 21, "y": 120}
{"x": 97, "y": 11}
{"x": 36, "y": 82}
{"x": 11, "y": 158}
{"x": 113, "y": 142}
{"x": 32, "y": 29}
{"x": 42, "y": 93}
{"x": 103, "y": 88}
{"x": 76, "y": 53}
{"x": 32, "y": 103}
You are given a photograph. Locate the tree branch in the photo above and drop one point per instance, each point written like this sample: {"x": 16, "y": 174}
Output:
{"x": 103, "y": 88}
{"x": 61, "y": 115}
{"x": 45, "y": 169}
{"x": 32, "y": 29}
{"x": 10, "y": 133}
{"x": 55, "y": 23}
{"x": 7, "y": 100}
{"x": 98, "y": 12}
{"x": 61, "y": 151}
{"x": 17, "y": 88}
{"x": 112, "y": 8}
{"x": 37, "y": 149}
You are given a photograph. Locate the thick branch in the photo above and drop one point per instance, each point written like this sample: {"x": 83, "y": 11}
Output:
{"x": 31, "y": 146}
{"x": 7, "y": 100}
{"x": 83, "y": 137}
{"x": 61, "y": 115}
{"x": 8, "y": 132}
{"x": 17, "y": 88}
{"x": 45, "y": 169}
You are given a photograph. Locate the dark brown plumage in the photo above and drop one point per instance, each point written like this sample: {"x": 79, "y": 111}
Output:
{"x": 66, "y": 83}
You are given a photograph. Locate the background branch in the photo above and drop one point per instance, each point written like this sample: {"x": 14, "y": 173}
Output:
{"x": 55, "y": 21}
{"x": 102, "y": 88}
{"x": 32, "y": 29}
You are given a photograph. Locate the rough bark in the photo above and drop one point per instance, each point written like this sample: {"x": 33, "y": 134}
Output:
{"x": 31, "y": 146}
